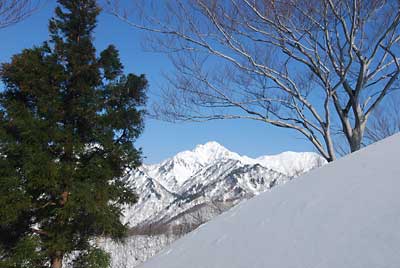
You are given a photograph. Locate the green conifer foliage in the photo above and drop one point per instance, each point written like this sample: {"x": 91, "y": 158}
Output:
{"x": 68, "y": 120}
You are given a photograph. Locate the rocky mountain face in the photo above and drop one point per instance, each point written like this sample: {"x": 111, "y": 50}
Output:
{"x": 182, "y": 192}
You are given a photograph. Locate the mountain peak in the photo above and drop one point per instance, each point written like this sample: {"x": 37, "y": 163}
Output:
{"x": 210, "y": 152}
{"x": 210, "y": 144}
{"x": 210, "y": 147}
{"x": 175, "y": 171}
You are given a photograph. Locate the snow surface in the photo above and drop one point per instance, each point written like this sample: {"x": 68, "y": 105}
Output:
{"x": 345, "y": 214}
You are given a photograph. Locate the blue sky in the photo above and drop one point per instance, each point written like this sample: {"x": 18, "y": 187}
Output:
{"x": 160, "y": 139}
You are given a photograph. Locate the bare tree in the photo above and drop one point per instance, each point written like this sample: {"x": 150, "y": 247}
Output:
{"x": 13, "y": 11}
{"x": 319, "y": 67}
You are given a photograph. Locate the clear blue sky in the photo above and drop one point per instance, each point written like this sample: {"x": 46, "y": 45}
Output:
{"x": 160, "y": 140}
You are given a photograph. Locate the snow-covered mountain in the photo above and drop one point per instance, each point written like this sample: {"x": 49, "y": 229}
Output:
{"x": 209, "y": 173}
{"x": 175, "y": 171}
{"x": 184, "y": 191}
{"x": 345, "y": 214}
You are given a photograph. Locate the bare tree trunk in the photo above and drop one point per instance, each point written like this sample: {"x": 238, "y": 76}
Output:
{"x": 355, "y": 141}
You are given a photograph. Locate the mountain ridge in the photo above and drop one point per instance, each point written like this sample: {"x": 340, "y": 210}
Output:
{"x": 207, "y": 173}
{"x": 186, "y": 163}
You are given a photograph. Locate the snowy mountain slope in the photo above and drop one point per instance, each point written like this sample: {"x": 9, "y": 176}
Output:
{"x": 209, "y": 172}
{"x": 153, "y": 198}
{"x": 346, "y": 214}
{"x": 291, "y": 163}
{"x": 173, "y": 172}
{"x": 227, "y": 180}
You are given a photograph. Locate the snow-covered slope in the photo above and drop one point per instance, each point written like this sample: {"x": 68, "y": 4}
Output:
{"x": 153, "y": 197}
{"x": 291, "y": 163}
{"x": 225, "y": 181}
{"x": 346, "y": 214}
{"x": 208, "y": 173}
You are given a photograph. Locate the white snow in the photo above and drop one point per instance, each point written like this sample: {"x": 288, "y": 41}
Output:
{"x": 208, "y": 172}
{"x": 173, "y": 172}
{"x": 178, "y": 169}
{"x": 345, "y": 214}
{"x": 291, "y": 163}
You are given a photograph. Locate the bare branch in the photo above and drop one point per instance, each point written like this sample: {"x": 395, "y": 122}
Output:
{"x": 13, "y": 11}
{"x": 310, "y": 66}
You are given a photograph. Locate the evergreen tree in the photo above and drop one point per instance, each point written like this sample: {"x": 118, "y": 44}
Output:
{"x": 68, "y": 120}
